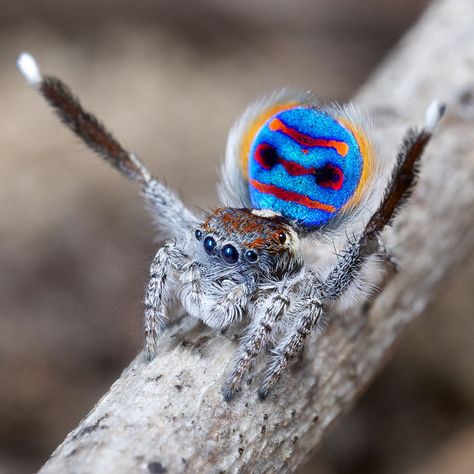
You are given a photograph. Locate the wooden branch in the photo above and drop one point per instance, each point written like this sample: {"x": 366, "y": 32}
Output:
{"x": 169, "y": 416}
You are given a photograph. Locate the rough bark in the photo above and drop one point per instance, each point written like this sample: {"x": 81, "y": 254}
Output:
{"x": 169, "y": 415}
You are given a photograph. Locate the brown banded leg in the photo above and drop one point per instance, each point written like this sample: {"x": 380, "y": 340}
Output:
{"x": 169, "y": 212}
{"x": 158, "y": 293}
{"x": 257, "y": 338}
{"x": 291, "y": 346}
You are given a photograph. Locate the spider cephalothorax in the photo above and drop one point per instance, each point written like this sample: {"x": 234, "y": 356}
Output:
{"x": 294, "y": 171}
{"x": 253, "y": 242}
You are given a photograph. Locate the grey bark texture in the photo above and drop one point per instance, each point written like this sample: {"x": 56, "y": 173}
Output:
{"x": 169, "y": 415}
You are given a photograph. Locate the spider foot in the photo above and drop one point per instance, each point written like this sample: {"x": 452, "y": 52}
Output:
{"x": 150, "y": 349}
{"x": 229, "y": 392}
{"x": 149, "y": 355}
{"x": 233, "y": 384}
{"x": 268, "y": 384}
{"x": 263, "y": 393}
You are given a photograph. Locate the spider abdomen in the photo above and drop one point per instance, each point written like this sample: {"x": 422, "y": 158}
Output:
{"x": 305, "y": 164}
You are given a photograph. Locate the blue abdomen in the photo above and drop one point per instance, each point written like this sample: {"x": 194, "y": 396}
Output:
{"x": 304, "y": 164}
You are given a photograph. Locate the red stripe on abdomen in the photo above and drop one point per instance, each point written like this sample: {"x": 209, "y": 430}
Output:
{"x": 291, "y": 196}
{"x": 276, "y": 125}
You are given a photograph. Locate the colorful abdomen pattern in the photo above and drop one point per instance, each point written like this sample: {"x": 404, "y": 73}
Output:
{"x": 304, "y": 164}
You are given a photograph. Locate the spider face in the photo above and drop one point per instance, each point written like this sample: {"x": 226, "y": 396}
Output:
{"x": 258, "y": 242}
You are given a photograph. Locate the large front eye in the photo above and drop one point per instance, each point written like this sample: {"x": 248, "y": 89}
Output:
{"x": 210, "y": 245}
{"x": 230, "y": 253}
{"x": 282, "y": 237}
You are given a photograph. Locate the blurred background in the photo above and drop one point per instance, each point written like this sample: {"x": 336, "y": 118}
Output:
{"x": 169, "y": 78}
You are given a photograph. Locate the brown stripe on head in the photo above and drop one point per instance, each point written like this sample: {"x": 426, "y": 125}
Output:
{"x": 252, "y": 229}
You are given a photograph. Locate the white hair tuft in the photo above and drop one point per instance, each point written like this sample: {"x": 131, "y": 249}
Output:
{"x": 29, "y": 68}
{"x": 433, "y": 115}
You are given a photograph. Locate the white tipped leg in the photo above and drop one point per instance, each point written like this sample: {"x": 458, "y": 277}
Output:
{"x": 434, "y": 113}
{"x": 29, "y": 68}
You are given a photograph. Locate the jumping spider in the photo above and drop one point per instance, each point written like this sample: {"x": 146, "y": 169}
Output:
{"x": 295, "y": 171}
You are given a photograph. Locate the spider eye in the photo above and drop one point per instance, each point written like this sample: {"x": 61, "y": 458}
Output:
{"x": 282, "y": 238}
{"x": 251, "y": 256}
{"x": 198, "y": 234}
{"x": 230, "y": 253}
{"x": 210, "y": 245}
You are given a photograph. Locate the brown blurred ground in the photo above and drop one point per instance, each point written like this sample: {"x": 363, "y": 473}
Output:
{"x": 169, "y": 79}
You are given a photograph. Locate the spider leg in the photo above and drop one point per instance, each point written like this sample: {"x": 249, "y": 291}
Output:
{"x": 310, "y": 311}
{"x": 405, "y": 173}
{"x": 268, "y": 313}
{"x": 404, "y": 177}
{"x": 157, "y": 295}
{"x": 166, "y": 207}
